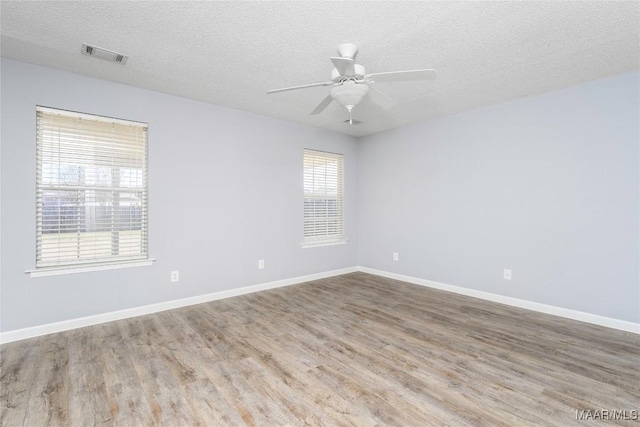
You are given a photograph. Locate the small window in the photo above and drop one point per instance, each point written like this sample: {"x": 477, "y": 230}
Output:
{"x": 91, "y": 190}
{"x": 323, "y": 198}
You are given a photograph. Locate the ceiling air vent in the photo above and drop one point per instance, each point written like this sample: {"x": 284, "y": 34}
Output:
{"x": 101, "y": 53}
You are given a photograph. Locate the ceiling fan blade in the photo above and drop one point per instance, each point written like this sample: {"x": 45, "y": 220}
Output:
{"x": 399, "y": 76}
{"x": 382, "y": 99}
{"x": 320, "y": 108}
{"x": 344, "y": 66}
{"x": 299, "y": 87}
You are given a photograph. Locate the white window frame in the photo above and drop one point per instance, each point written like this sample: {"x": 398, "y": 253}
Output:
{"x": 323, "y": 188}
{"x": 97, "y": 143}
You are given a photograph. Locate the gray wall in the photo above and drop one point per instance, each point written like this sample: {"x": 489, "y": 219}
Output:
{"x": 547, "y": 186}
{"x": 239, "y": 174}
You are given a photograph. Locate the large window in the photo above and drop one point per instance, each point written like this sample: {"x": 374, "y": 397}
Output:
{"x": 91, "y": 190}
{"x": 323, "y": 198}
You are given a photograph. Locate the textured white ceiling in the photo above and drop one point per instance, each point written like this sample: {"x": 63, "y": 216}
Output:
{"x": 230, "y": 53}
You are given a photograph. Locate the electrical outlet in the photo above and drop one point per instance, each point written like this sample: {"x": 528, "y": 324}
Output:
{"x": 260, "y": 264}
{"x": 175, "y": 276}
{"x": 507, "y": 274}
{"x": 395, "y": 256}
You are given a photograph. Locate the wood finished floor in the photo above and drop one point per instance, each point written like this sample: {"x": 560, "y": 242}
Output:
{"x": 354, "y": 350}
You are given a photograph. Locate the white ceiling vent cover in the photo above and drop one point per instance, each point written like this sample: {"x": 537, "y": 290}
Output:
{"x": 101, "y": 53}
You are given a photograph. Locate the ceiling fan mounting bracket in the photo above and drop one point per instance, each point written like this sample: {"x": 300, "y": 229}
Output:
{"x": 348, "y": 50}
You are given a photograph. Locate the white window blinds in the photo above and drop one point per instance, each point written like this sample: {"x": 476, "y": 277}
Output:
{"x": 323, "y": 197}
{"x": 91, "y": 190}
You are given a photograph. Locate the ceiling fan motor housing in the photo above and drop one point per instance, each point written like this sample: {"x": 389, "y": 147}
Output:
{"x": 358, "y": 75}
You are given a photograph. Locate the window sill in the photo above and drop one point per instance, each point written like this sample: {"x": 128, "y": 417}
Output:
{"x": 57, "y": 271}
{"x": 320, "y": 244}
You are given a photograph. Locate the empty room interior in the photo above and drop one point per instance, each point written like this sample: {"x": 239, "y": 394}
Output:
{"x": 320, "y": 213}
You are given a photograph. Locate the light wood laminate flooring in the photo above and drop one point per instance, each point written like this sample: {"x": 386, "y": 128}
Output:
{"x": 352, "y": 350}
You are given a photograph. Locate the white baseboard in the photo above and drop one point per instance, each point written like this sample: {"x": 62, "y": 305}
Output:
{"x": 595, "y": 319}
{"x": 50, "y": 328}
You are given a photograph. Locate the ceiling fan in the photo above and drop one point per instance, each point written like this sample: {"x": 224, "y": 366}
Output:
{"x": 351, "y": 83}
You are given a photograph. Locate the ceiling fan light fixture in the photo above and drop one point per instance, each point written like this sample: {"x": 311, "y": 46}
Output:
{"x": 349, "y": 94}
